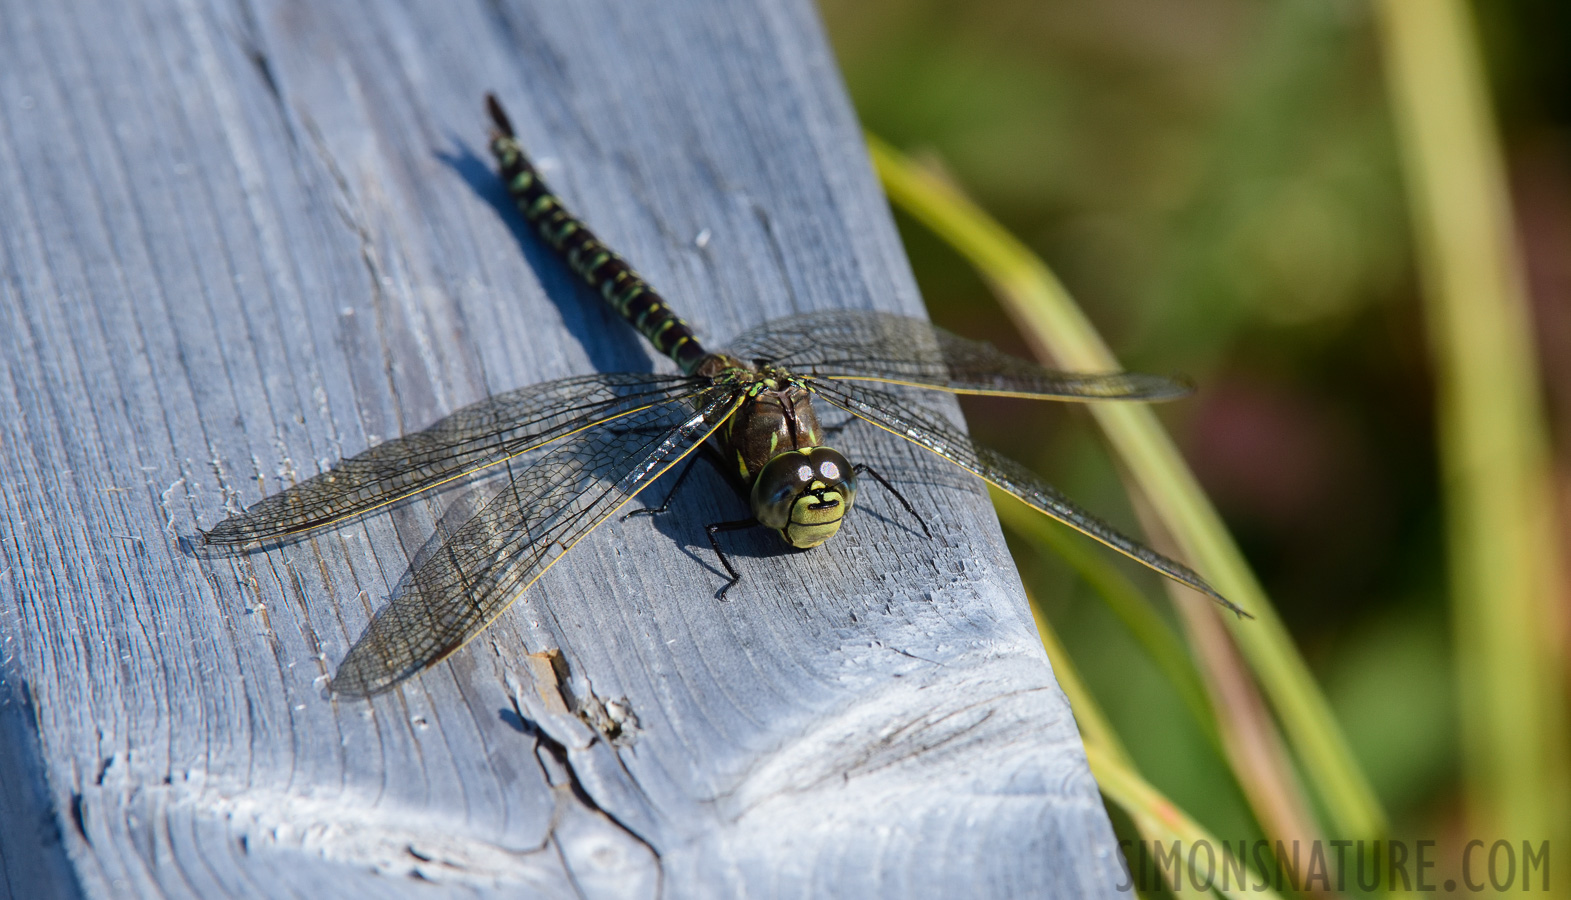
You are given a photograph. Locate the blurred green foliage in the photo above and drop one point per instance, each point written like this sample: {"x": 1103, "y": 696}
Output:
{"x": 1216, "y": 182}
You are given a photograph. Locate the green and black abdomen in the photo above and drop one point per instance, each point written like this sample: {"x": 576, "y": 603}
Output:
{"x": 603, "y": 270}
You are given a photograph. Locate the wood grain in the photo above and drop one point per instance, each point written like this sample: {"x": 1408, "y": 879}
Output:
{"x": 241, "y": 240}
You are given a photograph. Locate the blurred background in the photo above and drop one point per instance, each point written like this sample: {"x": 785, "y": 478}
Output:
{"x": 1219, "y": 184}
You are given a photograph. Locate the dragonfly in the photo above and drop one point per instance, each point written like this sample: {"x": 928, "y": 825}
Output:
{"x": 596, "y": 441}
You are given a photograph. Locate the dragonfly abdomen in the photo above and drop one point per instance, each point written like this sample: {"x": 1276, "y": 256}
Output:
{"x": 603, "y": 270}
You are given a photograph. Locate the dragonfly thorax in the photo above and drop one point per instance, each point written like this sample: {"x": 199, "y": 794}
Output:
{"x": 776, "y": 416}
{"x": 804, "y": 495}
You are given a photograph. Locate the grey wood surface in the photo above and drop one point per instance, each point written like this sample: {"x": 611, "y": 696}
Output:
{"x": 241, "y": 239}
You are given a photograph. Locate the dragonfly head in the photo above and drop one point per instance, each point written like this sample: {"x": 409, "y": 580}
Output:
{"x": 803, "y": 494}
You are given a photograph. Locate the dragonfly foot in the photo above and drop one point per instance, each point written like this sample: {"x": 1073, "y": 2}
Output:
{"x": 864, "y": 467}
{"x": 665, "y": 505}
{"x": 715, "y": 528}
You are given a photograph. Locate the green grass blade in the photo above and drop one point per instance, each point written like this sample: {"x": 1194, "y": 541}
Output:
{"x": 1136, "y": 613}
{"x": 1158, "y": 819}
{"x": 1493, "y": 445}
{"x": 1092, "y": 722}
{"x": 1056, "y": 328}
{"x": 1154, "y": 816}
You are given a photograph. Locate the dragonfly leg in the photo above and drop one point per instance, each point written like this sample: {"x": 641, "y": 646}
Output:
{"x": 666, "y": 504}
{"x": 859, "y": 468}
{"x": 715, "y": 528}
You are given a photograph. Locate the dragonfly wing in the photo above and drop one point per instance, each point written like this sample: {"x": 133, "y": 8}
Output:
{"x": 483, "y": 434}
{"x": 522, "y": 532}
{"x": 874, "y": 346}
{"x": 893, "y": 414}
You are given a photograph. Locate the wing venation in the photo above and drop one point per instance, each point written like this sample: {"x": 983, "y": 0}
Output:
{"x": 520, "y": 533}
{"x": 476, "y": 437}
{"x": 874, "y": 346}
{"x": 893, "y": 414}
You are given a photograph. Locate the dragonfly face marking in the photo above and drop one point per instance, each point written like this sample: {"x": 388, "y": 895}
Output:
{"x": 595, "y": 441}
{"x": 804, "y": 495}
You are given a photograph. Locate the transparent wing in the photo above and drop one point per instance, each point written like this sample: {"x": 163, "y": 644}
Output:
{"x": 874, "y": 346}
{"x": 478, "y": 436}
{"x": 894, "y": 415}
{"x": 522, "y": 532}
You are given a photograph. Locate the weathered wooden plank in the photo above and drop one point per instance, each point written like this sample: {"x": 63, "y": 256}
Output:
{"x": 244, "y": 238}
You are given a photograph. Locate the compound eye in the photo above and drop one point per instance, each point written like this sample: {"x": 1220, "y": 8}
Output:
{"x": 779, "y": 483}
{"x": 832, "y": 468}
